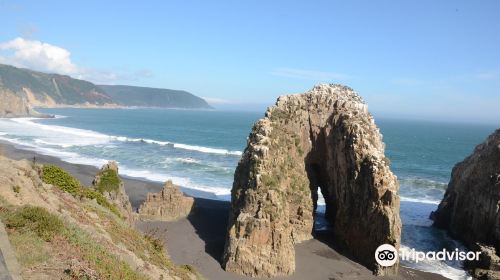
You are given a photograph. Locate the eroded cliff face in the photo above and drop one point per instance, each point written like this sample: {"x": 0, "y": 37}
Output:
{"x": 12, "y": 106}
{"x": 167, "y": 205}
{"x": 323, "y": 140}
{"x": 470, "y": 207}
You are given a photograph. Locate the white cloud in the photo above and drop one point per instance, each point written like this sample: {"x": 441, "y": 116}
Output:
{"x": 38, "y": 55}
{"x": 309, "y": 74}
{"x": 45, "y": 57}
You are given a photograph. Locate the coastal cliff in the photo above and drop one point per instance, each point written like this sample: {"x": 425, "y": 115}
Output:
{"x": 324, "y": 140}
{"x": 38, "y": 89}
{"x": 13, "y": 106}
{"x": 470, "y": 211}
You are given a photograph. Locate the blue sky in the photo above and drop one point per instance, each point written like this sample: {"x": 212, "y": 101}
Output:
{"x": 435, "y": 60}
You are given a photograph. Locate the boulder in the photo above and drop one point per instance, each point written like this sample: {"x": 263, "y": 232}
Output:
{"x": 324, "y": 140}
{"x": 167, "y": 205}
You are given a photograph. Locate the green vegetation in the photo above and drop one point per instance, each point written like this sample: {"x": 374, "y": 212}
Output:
{"x": 68, "y": 90}
{"x": 107, "y": 265}
{"x": 32, "y": 249}
{"x": 101, "y": 200}
{"x": 279, "y": 115}
{"x": 31, "y": 227}
{"x": 58, "y": 177}
{"x": 153, "y": 97}
{"x": 270, "y": 181}
{"x": 108, "y": 181}
{"x": 36, "y": 220}
{"x": 146, "y": 246}
{"x": 43, "y": 239}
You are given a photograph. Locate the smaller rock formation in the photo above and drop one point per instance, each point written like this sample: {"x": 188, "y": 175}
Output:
{"x": 470, "y": 209}
{"x": 111, "y": 186}
{"x": 167, "y": 205}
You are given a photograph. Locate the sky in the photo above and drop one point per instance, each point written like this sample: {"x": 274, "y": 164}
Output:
{"x": 432, "y": 60}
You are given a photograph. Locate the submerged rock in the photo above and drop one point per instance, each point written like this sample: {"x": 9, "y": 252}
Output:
{"x": 323, "y": 139}
{"x": 469, "y": 210}
{"x": 167, "y": 205}
{"x": 108, "y": 182}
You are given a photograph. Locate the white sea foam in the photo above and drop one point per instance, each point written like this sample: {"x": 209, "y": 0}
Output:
{"x": 207, "y": 150}
{"x": 63, "y": 155}
{"x": 188, "y": 160}
{"x": 420, "y": 200}
{"x": 136, "y": 173}
{"x": 179, "y": 146}
{"x": 181, "y": 181}
{"x": 436, "y": 266}
{"x": 67, "y": 137}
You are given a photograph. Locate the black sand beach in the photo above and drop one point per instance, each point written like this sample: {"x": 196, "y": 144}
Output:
{"x": 199, "y": 239}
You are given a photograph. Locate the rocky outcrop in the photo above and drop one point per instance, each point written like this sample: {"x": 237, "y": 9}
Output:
{"x": 470, "y": 207}
{"x": 13, "y": 106}
{"x": 324, "y": 139}
{"x": 111, "y": 186}
{"x": 167, "y": 205}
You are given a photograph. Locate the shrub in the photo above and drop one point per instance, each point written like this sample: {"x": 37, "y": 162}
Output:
{"x": 101, "y": 200}
{"x": 34, "y": 219}
{"x": 58, "y": 177}
{"x": 108, "y": 181}
{"x": 155, "y": 242}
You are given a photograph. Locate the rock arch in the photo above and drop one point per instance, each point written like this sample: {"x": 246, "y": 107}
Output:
{"x": 323, "y": 138}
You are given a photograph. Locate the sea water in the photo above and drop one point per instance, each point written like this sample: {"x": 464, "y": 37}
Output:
{"x": 199, "y": 151}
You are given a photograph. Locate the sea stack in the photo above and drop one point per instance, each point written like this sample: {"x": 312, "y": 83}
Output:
{"x": 324, "y": 140}
{"x": 167, "y": 205}
{"x": 470, "y": 211}
{"x": 108, "y": 182}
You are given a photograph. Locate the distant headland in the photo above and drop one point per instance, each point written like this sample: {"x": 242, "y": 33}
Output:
{"x": 23, "y": 89}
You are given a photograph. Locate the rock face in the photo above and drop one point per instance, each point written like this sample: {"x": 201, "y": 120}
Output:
{"x": 168, "y": 205}
{"x": 324, "y": 139}
{"x": 12, "y": 106}
{"x": 470, "y": 207}
{"x": 111, "y": 186}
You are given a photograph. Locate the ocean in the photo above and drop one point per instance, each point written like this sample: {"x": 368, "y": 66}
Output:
{"x": 199, "y": 151}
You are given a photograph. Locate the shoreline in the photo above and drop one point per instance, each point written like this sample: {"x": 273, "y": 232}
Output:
{"x": 198, "y": 240}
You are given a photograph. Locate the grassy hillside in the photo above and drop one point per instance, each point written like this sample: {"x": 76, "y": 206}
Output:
{"x": 153, "y": 97}
{"x": 60, "y": 229}
{"x": 49, "y": 90}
